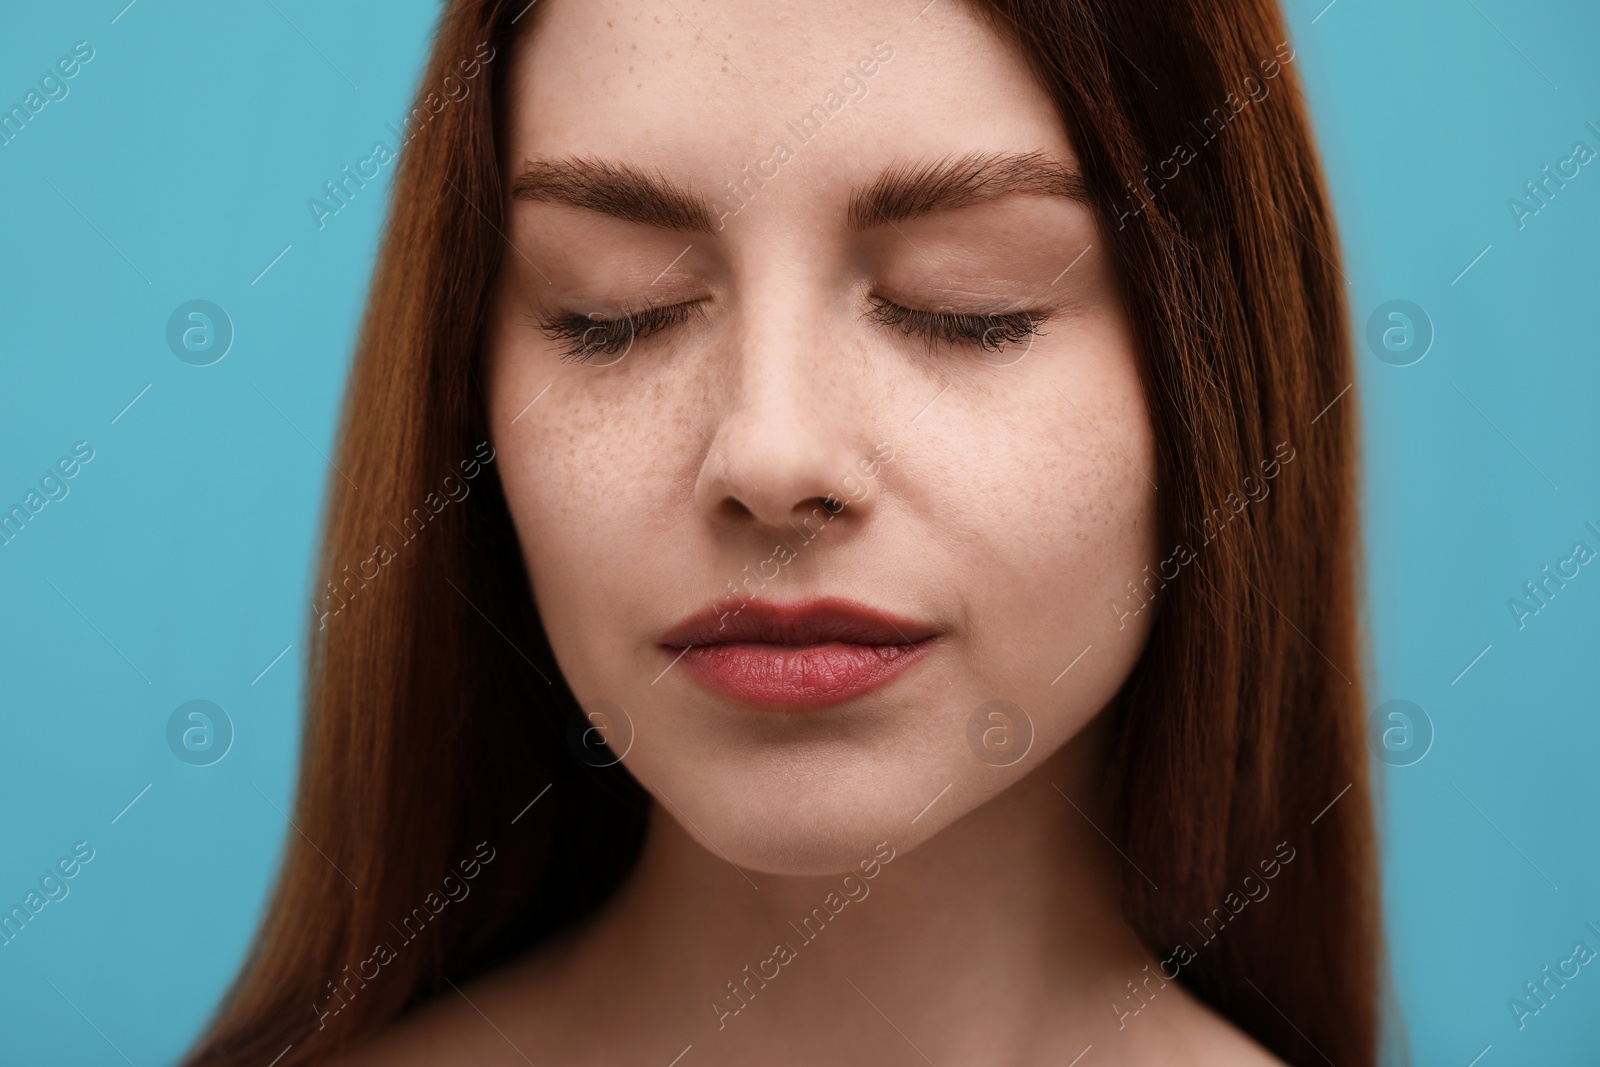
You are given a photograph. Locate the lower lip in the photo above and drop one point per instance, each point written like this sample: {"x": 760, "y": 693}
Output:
{"x": 805, "y": 676}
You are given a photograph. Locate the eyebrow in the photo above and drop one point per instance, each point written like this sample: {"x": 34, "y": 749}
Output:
{"x": 903, "y": 191}
{"x": 906, "y": 190}
{"x": 615, "y": 189}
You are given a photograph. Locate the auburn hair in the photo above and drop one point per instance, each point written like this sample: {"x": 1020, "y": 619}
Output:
{"x": 435, "y": 711}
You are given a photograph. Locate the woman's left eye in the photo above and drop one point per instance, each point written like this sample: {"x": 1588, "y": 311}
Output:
{"x": 990, "y": 332}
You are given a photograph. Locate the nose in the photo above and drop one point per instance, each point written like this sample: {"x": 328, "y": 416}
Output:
{"x": 791, "y": 437}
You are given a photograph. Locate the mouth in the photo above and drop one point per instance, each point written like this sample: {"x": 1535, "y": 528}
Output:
{"x": 807, "y": 654}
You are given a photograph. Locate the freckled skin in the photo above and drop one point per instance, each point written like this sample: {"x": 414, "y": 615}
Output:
{"x": 1011, "y": 514}
{"x": 1015, "y": 502}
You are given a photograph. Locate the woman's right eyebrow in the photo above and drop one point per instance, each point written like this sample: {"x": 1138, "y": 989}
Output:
{"x": 615, "y": 189}
{"x": 902, "y": 191}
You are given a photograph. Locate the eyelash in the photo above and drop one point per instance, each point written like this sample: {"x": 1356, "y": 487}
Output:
{"x": 586, "y": 336}
{"x": 990, "y": 332}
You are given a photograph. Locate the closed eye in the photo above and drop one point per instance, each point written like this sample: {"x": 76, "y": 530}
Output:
{"x": 989, "y": 332}
{"x": 586, "y": 337}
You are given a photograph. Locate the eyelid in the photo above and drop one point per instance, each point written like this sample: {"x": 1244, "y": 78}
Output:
{"x": 956, "y": 302}
{"x": 588, "y": 335}
{"x": 988, "y": 330}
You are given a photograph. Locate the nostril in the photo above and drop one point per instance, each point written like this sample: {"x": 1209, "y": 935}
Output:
{"x": 734, "y": 508}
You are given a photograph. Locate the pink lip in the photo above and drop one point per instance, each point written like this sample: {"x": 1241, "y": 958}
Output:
{"x": 808, "y": 654}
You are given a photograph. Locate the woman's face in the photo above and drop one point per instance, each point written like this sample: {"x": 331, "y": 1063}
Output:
{"x": 817, "y": 410}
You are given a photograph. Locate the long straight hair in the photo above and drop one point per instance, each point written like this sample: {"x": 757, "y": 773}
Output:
{"x": 436, "y": 713}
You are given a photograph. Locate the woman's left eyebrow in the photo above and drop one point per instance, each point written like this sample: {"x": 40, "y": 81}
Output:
{"x": 907, "y": 190}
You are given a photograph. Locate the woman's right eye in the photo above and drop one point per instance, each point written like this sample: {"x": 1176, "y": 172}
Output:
{"x": 585, "y": 337}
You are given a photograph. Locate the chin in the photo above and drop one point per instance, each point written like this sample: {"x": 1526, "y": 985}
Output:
{"x": 787, "y": 848}
{"x": 780, "y": 811}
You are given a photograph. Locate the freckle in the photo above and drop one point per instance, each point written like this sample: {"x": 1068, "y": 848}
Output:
{"x": 610, "y": 23}
{"x": 630, "y": 68}
{"x": 636, "y": 46}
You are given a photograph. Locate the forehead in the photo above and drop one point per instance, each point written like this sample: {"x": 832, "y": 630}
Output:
{"x": 705, "y": 88}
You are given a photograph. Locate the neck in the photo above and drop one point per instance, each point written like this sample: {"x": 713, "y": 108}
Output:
{"x": 1002, "y": 931}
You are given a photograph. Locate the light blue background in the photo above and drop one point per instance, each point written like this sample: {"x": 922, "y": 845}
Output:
{"x": 180, "y": 558}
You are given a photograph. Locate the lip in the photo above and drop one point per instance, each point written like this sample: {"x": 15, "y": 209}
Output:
{"x": 807, "y": 654}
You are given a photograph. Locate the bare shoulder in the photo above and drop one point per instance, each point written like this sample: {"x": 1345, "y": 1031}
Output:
{"x": 1191, "y": 1032}
{"x": 1221, "y": 1044}
{"x": 501, "y": 1017}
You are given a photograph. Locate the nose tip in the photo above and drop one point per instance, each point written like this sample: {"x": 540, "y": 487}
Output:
{"x": 783, "y": 465}
{"x": 793, "y": 492}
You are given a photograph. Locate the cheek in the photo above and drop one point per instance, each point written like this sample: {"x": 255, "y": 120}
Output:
{"x": 589, "y": 483}
{"x": 1046, "y": 504}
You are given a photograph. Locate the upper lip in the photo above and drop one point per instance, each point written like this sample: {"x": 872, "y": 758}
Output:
{"x": 808, "y": 622}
